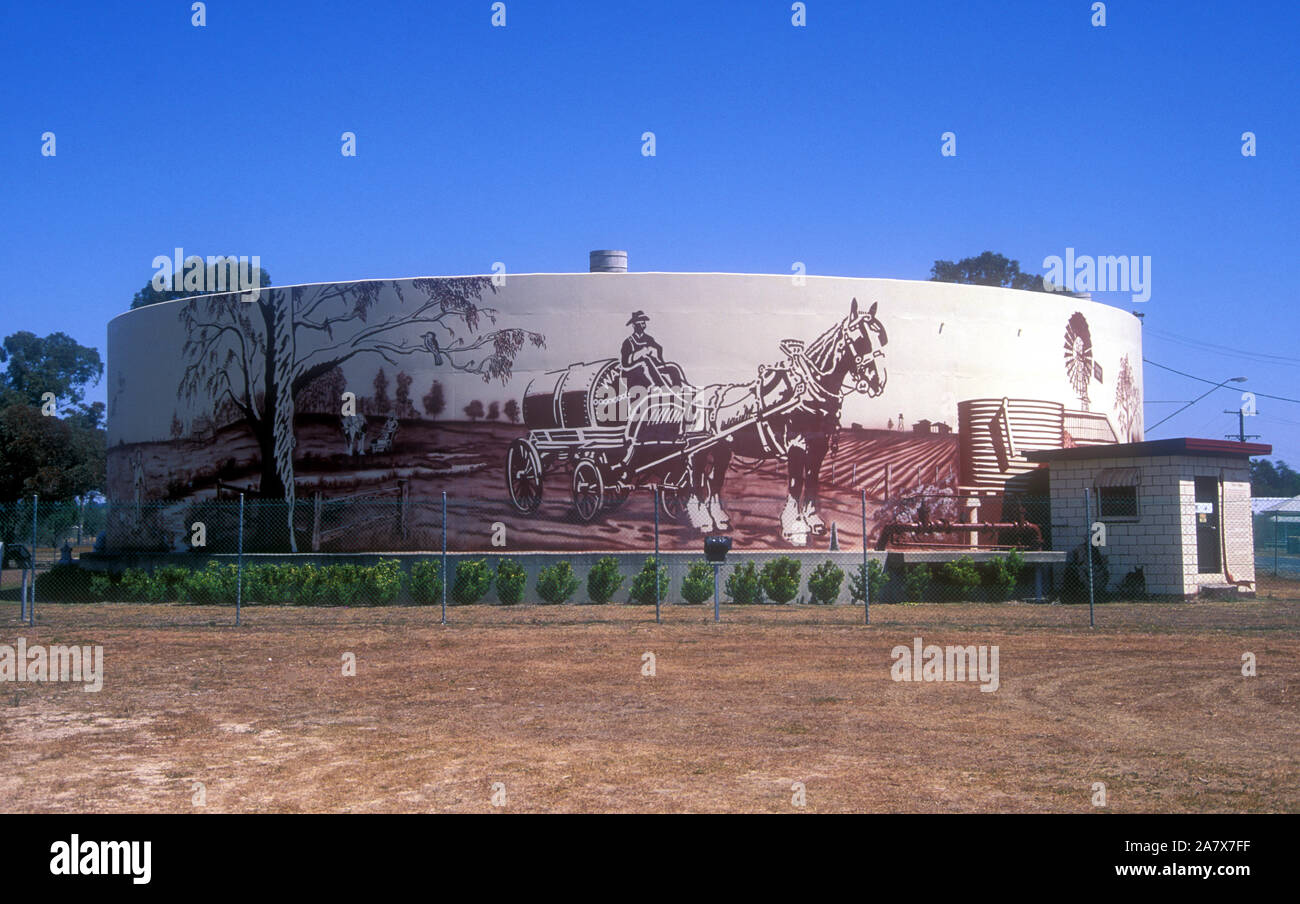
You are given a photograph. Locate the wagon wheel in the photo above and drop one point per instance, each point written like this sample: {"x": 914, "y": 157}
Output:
{"x": 524, "y": 476}
{"x": 672, "y": 502}
{"x": 588, "y": 489}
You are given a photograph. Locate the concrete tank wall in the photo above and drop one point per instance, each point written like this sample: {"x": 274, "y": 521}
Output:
{"x": 188, "y": 380}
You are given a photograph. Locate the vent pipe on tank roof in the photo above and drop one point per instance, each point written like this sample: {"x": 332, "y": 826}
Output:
{"x": 608, "y": 261}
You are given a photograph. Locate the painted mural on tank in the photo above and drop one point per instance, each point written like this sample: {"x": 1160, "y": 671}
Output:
{"x": 555, "y": 410}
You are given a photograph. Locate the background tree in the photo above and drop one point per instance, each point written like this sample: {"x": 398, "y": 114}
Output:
{"x": 988, "y": 269}
{"x": 62, "y": 456}
{"x": 323, "y": 395}
{"x": 434, "y": 400}
{"x": 58, "y": 458}
{"x": 405, "y": 409}
{"x": 1128, "y": 402}
{"x": 1268, "y": 479}
{"x": 474, "y": 410}
{"x": 511, "y": 410}
{"x": 494, "y": 411}
{"x": 380, "y": 400}
{"x": 149, "y": 295}
{"x": 243, "y": 353}
{"x": 56, "y": 363}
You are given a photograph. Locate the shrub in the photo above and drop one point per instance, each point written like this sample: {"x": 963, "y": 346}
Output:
{"x": 603, "y": 580}
{"x": 961, "y": 577}
{"x": 333, "y": 585}
{"x": 916, "y": 582}
{"x": 426, "y": 582}
{"x": 697, "y": 586}
{"x": 643, "y": 584}
{"x": 215, "y": 583}
{"x": 167, "y": 584}
{"x": 875, "y": 577}
{"x": 473, "y": 581}
{"x": 65, "y": 584}
{"x": 1015, "y": 563}
{"x": 133, "y": 585}
{"x": 1074, "y": 579}
{"x": 104, "y": 588}
{"x": 302, "y": 585}
{"x": 557, "y": 583}
{"x": 266, "y": 584}
{"x": 1001, "y": 574}
{"x": 511, "y": 580}
{"x": 781, "y": 579}
{"x": 383, "y": 582}
{"x": 1133, "y": 586}
{"x": 824, "y": 582}
{"x": 744, "y": 585}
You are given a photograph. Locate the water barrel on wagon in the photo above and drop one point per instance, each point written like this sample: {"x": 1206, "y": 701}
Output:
{"x": 581, "y": 395}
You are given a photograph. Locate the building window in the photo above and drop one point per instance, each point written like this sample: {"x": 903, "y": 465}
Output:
{"x": 1117, "y": 502}
{"x": 1117, "y": 493}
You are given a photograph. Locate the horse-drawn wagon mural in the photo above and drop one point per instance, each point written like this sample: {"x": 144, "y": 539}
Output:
{"x": 617, "y": 433}
{"x": 763, "y": 409}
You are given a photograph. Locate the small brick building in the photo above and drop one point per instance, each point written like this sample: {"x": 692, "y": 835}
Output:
{"x": 1179, "y": 509}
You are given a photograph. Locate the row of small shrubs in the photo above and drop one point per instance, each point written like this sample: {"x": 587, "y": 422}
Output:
{"x": 303, "y": 585}
{"x": 557, "y": 583}
{"x": 345, "y": 585}
{"x": 778, "y": 581}
{"x": 964, "y": 579}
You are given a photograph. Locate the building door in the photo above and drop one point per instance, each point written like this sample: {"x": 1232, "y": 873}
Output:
{"x": 1208, "y": 560}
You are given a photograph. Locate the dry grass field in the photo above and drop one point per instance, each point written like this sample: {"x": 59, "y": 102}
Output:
{"x": 551, "y": 702}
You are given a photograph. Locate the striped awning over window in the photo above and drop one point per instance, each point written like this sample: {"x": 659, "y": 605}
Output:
{"x": 1118, "y": 477}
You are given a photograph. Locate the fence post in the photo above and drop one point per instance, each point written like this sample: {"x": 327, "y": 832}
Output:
{"x": 405, "y": 498}
{"x": 1087, "y": 550}
{"x": 31, "y": 597}
{"x": 656, "y": 502}
{"x": 716, "y": 566}
{"x": 239, "y": 573}
{"x": 315, "y": 522}
{"x": 1275, "y": 539}
{"x": 866, "y": 583}
{"x": 445, "y": 577}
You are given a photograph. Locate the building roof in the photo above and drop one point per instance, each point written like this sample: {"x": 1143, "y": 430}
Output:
{"x": 1282, "y": 504}
{"x": 1184, "y": 445}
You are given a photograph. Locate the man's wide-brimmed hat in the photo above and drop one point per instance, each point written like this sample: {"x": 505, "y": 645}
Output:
{"x": 637, "y": 315}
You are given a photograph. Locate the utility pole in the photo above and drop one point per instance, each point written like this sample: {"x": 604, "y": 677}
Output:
{"x": 1241, "y": 435}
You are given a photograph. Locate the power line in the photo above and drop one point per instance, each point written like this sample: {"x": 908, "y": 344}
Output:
{"x": 1207, "y": 392}
{"x": 1223, "y": 349}
{"x": 1260, "y": 395}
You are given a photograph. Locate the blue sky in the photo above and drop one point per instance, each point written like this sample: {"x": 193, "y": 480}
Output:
{"x": 774, "y": 144}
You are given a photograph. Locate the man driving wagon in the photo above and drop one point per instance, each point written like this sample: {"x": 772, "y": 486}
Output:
{"x": 643, "y": 358}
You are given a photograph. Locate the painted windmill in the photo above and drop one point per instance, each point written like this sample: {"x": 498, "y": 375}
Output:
{"x": 1079, "y": 366}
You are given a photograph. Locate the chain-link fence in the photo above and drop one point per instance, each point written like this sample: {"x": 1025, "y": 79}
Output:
{"x": 596, "y": 547}
{"x": 1277, "y": 541}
